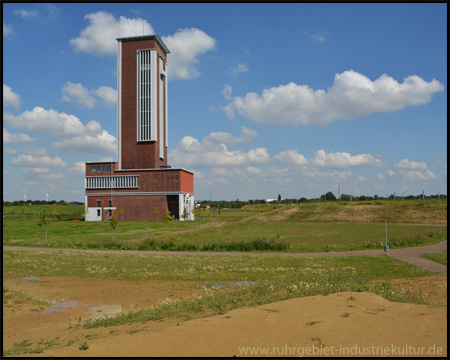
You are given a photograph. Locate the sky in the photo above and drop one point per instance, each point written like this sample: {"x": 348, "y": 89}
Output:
{"x": 295, "y": 99}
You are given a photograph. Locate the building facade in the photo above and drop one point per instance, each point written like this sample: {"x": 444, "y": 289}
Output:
{"x": 140, "y": 185}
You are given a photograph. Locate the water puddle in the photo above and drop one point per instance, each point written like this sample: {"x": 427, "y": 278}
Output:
{"x": 59, "y": 306}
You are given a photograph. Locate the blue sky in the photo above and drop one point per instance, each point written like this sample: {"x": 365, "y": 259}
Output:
{"x": 264, "y": 99}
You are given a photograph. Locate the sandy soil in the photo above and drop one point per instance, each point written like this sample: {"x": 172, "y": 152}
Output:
{"x": 335, "y": 325}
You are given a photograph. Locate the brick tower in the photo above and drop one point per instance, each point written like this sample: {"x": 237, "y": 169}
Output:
{"x": 140, "y": 185}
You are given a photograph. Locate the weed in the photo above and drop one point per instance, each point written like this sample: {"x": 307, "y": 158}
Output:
{"x": 84, "y": 346}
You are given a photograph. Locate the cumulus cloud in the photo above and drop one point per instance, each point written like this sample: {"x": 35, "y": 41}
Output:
{"x": 78, "y": 168}
{"x": 107, "y": 95}
{"x": 411, "y": 165}
{"x": 240, "y": 68}
{"x": 27, "y": 14}
{"x": 185, "y": 46}
{"x": 226, "y": 138}
{"x": 352, "y": 95}
{"x": 343, "y": 159}
{"x": 411, "y": 175}
{"x": 26, "y": 160}
{"x": 9, "y": 151}
{"x": 40, "y": 120}
{"x": 226, "y": 92}
{"x": 77, "y": 92}
{"x": 8, "y": 31}
{"x": 9, "y": 138}
{"x": 101, "y": 143}
{"x": 99, "y": 37}
{"x": 72, "y": 134}
{"x": 291, "y": 157}
{"x": 191, "y": 152}
{"x": 10, "y": 98}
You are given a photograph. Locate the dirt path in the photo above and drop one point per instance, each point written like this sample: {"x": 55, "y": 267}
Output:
{"x": 410, "y": 255}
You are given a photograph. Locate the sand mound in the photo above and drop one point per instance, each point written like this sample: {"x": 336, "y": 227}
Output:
{"x": 342, "y": 324}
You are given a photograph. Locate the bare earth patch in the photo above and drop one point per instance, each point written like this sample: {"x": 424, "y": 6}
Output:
{"x": 338, "y": 322}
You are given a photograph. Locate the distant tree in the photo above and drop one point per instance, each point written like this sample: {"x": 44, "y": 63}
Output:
{"x": 43, "y": 221}
{"x": 54, "y": 212}
{"x": 279, "y": 199}
{"x": 114, "y": 222}
{"x": 168, "y": 218}
{"x": 329, "y": 196}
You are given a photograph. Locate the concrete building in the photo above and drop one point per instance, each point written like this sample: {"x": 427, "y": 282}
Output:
{"x": 140, "y": 185}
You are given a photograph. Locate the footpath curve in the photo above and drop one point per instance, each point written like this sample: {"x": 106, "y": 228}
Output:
{"x": 410, "y": 255}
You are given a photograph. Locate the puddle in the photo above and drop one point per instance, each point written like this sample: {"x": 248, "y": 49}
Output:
{"x": 31, "y": 277}
{"x": 104, "y": 310}
{"x": 59, "y": 306}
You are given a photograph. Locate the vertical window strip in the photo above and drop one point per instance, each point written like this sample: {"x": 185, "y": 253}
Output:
{"x": 144, "y": 95}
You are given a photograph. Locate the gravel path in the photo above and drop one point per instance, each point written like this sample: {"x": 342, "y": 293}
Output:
{"x": 410, "y": 255}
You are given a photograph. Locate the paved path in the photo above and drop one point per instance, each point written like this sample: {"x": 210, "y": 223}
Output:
{"x": 410, "y": 255}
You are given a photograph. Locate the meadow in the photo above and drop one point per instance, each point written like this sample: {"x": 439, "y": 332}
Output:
{"x": 292, "y": 228}
{"x": 226, "y": 282}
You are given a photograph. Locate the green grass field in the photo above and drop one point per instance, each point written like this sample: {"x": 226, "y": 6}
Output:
{"x": 440, "y": 258}
{"x": 261, "y": 279}
{"x": 302, "y": 228}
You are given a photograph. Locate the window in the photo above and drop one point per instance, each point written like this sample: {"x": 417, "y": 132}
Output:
{"x": 109, "y": 212}
{"x": 146, "y": 95}
{"x": 100, "y": 168}
{"x": 109, "y": 203}
{"x": 98, "y": 213}
{"x": 161, "y": 107}
{"x": 98, "y": 203}
{"x": 108, "y": 182}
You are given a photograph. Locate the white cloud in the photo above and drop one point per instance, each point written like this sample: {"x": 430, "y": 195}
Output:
{"x": 38, "y": 170}
{"x": 411, "y": 165}
{"x": 410, "y": 175}
{"x": 185, "y": 46}
{"x": 227, "y": 138}
{"x": 107, "y": 95}
{"x": 190, "y": 152}
{"x": 343, "y": 159}
{"x": 72, "y": 134}
{"x": 9, "y": 151}
{"x": 352, "y": 95}
{"x": 25, "y": 160}
{"x": 8, "y": 31}
{"x": 50, "y": 121}
{"x": 240, "y": 68}
{"x": 79, "y": 168}
{"x": 77, "y": 92}
{"x": 25, "y": 14}
{"x": 226, "y": 92}
{"x": 380, "y": 177}
{"x": 10, "y": 98}
{"x": 319, "y": 37}
{"x": 291, "y": 157}
{"x": 9, "y": 138}
{"x": 101, "y": 143}
{"x": 99, "y": 37}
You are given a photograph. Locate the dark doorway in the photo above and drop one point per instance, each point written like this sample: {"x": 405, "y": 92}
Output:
{"x": 173, "y": 206}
